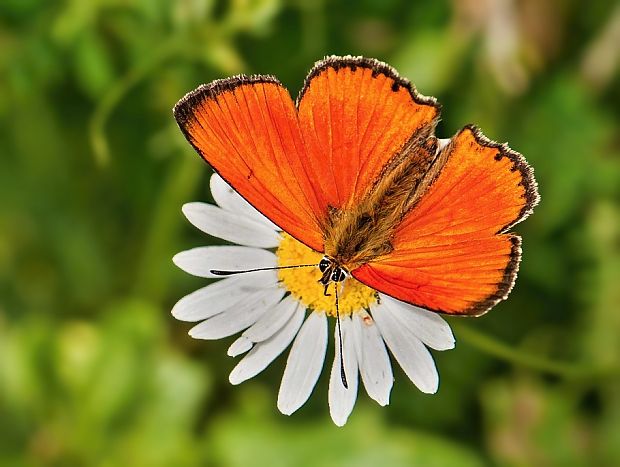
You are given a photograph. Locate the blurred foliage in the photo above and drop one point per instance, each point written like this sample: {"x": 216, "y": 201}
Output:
{"x": 94, "y": 371}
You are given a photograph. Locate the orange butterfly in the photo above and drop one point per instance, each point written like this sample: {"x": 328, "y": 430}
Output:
{"x": 353, "y": 170}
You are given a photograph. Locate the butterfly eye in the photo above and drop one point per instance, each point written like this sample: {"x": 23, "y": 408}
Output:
{"x": 339, "y": 275}
{"x": 323, "y": 264}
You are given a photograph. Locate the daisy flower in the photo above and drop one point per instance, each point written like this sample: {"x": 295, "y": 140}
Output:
{"x": 274, "y": 308}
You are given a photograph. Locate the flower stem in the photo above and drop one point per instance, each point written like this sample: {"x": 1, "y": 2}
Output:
{"x": 519, "y": 357}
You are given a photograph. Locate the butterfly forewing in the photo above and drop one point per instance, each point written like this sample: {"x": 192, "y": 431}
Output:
{"x": 247, "y": 129}
{"x": 356, "y": 115}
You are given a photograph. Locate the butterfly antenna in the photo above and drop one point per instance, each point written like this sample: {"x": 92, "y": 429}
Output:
{"x": 219, "y": 272}
{"x": 343, "y": 375}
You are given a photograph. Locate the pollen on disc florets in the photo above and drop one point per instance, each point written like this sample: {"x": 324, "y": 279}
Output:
{"x": 302, "y": 283}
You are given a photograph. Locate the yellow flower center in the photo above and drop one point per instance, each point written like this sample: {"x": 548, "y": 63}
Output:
{"x": 303, "y": 283}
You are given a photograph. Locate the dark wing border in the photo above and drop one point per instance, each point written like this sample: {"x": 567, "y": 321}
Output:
{"x": 378, "y": 67}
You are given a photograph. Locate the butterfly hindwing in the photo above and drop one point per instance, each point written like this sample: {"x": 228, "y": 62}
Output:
{"x": 451, "y": 253}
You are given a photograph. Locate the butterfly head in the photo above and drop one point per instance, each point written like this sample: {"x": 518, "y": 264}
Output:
{"x": 332, "y": 271}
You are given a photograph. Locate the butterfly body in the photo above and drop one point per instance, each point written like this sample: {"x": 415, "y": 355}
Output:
{"x": 361, "y": 233}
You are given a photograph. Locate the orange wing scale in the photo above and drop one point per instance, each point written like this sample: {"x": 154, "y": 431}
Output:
{"x": 450, "y": 252}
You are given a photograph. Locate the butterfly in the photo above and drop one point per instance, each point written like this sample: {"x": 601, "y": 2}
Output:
{"x": 353, "y": 170}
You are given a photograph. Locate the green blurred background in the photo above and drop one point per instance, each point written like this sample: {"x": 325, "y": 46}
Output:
{"x": 93, "y": 369}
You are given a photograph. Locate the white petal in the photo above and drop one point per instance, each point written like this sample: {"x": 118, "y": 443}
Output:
{"x": 341, "y": 399}
{"x": 241, "y": 345}
{"x": 409, "y": 351}
{"x": 373, "y": 359}
{"x": 200, "y": 261}
{"x": 304, "y": 364}
{"x": 218, "y": 296}
{"x": 234, "y": 227}
{"x": 270, "y": 323}
{"x": 229, "y": 199}
{"x": 265, "y": 352}
{"x": 244, "y": 313}
{"x": 429, "y": 327}
{"x": 442, "y": 143}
